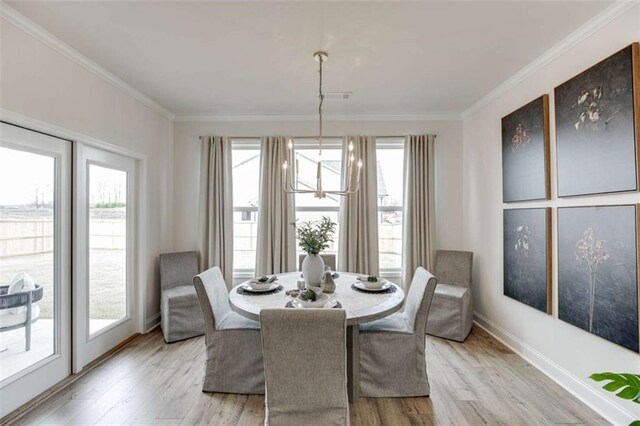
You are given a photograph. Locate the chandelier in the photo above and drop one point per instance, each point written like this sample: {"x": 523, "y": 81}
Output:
{"x": 350, "y": 187}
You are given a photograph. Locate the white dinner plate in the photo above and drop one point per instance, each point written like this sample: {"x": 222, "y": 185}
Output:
{"x": 326, "y": 302}
{"x": 361, "y": 286}
{"x": 248, "y": 288}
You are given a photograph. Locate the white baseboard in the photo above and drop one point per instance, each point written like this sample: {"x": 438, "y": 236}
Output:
{"x": 152, "y": 323}
{"x": 608, "y": 409}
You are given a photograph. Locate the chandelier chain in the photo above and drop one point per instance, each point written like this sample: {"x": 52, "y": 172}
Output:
{"x": 320, "y": 109}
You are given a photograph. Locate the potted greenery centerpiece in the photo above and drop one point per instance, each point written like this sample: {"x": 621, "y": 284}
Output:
{"x": 313, "y": 238}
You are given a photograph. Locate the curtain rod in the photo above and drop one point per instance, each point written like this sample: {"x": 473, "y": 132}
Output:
{"x": 315, "y": 137}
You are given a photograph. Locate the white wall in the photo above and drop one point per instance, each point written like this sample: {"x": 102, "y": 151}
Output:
{"x": 562, "y": 350}
{"x": 448, "y": 166}
{"x": 40, "y": 83}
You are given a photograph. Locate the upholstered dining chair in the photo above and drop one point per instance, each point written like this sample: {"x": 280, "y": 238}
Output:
{"x": 180, "y": 313}
{"x": 234, "y": 351}
{"x": 451, "y": 314}
{"x": 328, "y": 259}
{"x": 305, "y": 366}
{"x": 392, "y": 349}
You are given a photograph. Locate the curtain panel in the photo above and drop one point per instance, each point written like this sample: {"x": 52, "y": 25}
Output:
{"x": 216, "y": 206}
{"x": 418, "y": 245}
{"x": 358, "y": 241}
{"x": 276, "y": 242}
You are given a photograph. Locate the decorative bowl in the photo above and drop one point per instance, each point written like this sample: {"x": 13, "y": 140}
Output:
{"x": 374, "y": 285}
{"x": 259, "y": 286}
{"x": 260, "y": 283}
{"x": 318, "y": 303}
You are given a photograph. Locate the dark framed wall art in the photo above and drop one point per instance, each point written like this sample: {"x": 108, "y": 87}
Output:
{"x": 525, "y": 152}
{"x": 598, "y": 271}
{"x": 527, "y": 257}
{"x": 597, "y": 117}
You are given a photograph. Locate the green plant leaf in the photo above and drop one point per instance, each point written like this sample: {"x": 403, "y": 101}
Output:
{"x": 627, "y": 384}
{"x": 635, "y": 423}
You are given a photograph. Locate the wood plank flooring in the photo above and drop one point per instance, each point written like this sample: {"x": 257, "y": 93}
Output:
{"x": 150, "y": 382}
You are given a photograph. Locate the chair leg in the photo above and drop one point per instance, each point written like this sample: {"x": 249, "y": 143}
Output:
{"x": 27, "y": 328}
{"x": 28, "y": 336}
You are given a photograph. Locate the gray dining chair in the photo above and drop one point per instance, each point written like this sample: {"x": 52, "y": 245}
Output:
{"x": 451, "y": 314}
{"x": 328, "y": 259}
{"x": 392, "y": 349}
{"x": 305, "y": 366}
{"x": 234, "y": 351}
{"x": 181, "y": 317}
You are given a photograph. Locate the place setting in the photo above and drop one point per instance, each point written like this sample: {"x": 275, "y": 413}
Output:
{"x": 311, "y": 298}
{"x": 260, "y": 286}
{"x": 372, "y": 284}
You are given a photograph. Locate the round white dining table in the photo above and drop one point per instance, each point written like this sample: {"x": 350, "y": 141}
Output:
{"x": 360, "y": 308}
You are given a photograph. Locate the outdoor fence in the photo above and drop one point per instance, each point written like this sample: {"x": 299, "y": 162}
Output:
{"x": 24, "y": 237}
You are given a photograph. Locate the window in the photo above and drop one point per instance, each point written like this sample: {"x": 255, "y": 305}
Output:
{"x": 309, "y": 208}
{"x": 390, "y": 153}
{"x": 246, "y": 181}
{"x": 246, "y": 187}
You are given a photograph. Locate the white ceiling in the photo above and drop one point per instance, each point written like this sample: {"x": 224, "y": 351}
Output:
{"x": 255, "y": 58}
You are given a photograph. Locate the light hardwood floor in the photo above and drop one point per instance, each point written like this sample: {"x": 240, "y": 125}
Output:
{"x": 150, "y": 382}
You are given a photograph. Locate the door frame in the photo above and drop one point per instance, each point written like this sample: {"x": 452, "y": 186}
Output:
{"x": 24, "y": 385}
{"x": 86, "y": 346}
{"x": 145, "y": 268}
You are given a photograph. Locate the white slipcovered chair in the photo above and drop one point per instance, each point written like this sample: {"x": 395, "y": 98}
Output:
{"x": 451, "y": 314}
{"x": 305, "y": 365}
{"x": 392, "y": 349}
{"x": 234, "y": 349}
{"x": 181, "y": 317}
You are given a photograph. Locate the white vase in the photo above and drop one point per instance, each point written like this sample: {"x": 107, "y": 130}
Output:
{"x": 313, "y": 270}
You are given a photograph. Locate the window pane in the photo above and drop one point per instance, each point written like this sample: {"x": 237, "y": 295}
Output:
{"x": 246, "y": 177}
{"x": 107, "y": 246}
{"x": 27, "y": 185}
{"x": 307, "y": 160}
{"x": 245, "y": 232}
{"x": 390, "y": 240}
{"x": 390, "y": 193}
{"x": 390, "y": 179}
{"x": 246, "y": 186}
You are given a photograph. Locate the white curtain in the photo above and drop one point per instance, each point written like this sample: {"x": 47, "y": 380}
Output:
{"x": 216, "y": 206}
{"x": 419, "y": 210}
{"x": 358, "y": 241}
{"x": 276, "y": 245}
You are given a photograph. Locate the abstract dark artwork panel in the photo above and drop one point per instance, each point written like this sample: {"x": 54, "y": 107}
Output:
{"x": 525, "y": 148}
{"x": 595, "y": 128}
{"x": 527, "y": 266}
{"x": 597, "y": 271}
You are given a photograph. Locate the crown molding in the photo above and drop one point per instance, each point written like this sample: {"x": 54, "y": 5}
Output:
{"x": 586, "y": 30}
{"x": 328, "y": 118}
{"x": 14, "y": 17}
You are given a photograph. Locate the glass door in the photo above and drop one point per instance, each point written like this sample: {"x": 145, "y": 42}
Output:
{"x": 104, "y": 283}
{"x": 35, "y": 263}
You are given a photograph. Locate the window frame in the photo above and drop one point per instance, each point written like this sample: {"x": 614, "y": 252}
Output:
{"x": 381, "y": 145}
{"x": 310, "y": 143}
{"x": 245, "y": 144}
